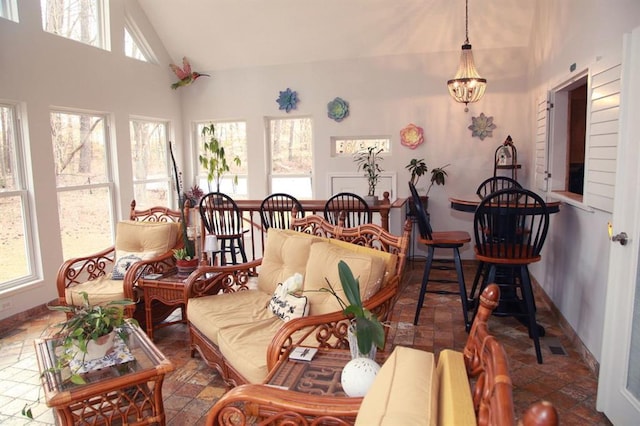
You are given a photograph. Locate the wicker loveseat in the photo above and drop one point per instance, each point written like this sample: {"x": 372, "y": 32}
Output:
{"x": 230, "y": 324}
{"x": 463, "y": 388}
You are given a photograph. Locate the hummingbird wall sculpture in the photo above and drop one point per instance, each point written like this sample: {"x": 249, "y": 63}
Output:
{"x": 184, "y": 74}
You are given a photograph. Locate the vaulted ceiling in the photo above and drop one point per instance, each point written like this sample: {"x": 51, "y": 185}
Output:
{"x": 227, "y": 34}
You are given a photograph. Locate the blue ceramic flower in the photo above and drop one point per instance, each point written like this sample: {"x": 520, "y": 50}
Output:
{"x": 338, "y": 109}
{"x": 482, "y": 126}
{"x": 287, "y": 100}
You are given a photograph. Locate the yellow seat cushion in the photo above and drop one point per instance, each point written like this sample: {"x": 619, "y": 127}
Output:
{"x": 211, "y": 313}
{"x": 323, "y": 265}
{"x": 455, "y": 403}
{"x": 404, "y": 392}
{"x": 285, "y": 253}
{"x": 100, "y": 291}
{"x": 244, "y": 346}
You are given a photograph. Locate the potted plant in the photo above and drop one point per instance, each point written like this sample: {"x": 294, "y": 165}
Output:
{"x": 214, "y": 158}
{"x": 365, "y": 326}
{"x": 89, "y": 332}
{"x": 418, "y": 168}
{"x": 185, "y": 263}
{"x": 369, "y": 162}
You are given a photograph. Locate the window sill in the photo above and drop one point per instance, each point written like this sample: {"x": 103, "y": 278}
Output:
{"x": 571, "y": 199}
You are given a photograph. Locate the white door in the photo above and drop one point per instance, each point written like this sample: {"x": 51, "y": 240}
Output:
{"x": 619, "y": 381}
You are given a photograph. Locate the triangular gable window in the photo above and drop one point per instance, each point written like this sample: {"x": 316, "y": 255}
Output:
{"x": 134, "y": 44}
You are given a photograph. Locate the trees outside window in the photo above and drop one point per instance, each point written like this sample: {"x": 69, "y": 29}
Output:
{"x": 15, "y": 223}
{"x": 291, "y": 153}
{"x": 83, "y": 180}
{"x": 149, "y": 145}
{"x": 79, "y": 20}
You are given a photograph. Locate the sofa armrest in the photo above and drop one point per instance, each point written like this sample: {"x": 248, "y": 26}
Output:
{"x": 263, "y": 404}
{"x": 208, "y": 280}
{"x": 328, "y": 330}
{"x": 82, "y": 269}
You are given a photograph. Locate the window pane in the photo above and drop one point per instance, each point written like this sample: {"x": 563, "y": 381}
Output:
{"x": 150, "y": 163}
{"x": 9, "y": 10}
{"x": 291, "y": 146}
{"x": 299, "y": 187}
{"x": 79, "y": 149}
{"x": 131, "y": 48}
{"x": 85, "y": 221}
{"x": 349, "y": 146}
{"x": 79, "y": 20}
{"x": 13, "y": 240}
{"x": 151, "y": 194}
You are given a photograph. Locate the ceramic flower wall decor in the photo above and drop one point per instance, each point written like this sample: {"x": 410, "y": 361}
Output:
{"x": 482, "y": 126}
{"x": 412, "y": 136}
{"x": 288, "y": 100}
{"x": 338, "y": 109}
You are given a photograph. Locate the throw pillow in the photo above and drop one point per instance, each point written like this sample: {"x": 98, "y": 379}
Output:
{"x": 285, "y": 304}
{"x": 122, "y": 266}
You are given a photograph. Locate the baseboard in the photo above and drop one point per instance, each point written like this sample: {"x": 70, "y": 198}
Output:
{"x": 582, "y": 350}
{"x": 13, "y": 321}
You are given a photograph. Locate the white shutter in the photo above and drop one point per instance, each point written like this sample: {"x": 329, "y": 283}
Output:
{"x": 542, "y": 140}
{"x": 602, "y": 136}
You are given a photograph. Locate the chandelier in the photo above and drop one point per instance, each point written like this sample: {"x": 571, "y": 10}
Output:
{"x": 467, "y": 86}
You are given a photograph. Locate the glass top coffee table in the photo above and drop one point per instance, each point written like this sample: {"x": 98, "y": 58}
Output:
{"x": 127, "y": 393}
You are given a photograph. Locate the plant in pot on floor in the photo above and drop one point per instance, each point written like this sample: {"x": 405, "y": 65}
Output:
{"x": 369, "y": 162}
{"x": 88, "y": 334}
{"x": 418, "y": 168}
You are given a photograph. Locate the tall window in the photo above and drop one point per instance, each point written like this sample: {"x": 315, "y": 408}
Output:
{"x": 15, "y": 224}
{"x": 233, "y": 137}
{"x": 83, "y": 179}
{"x": 150, "y": 163}
{"x": 8, "y": 10}
{"x": 80, "y": 20}
{"x": 291, "y": 148}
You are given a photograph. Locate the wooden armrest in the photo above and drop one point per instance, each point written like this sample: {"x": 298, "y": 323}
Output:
{"x": 81, "y": 269}
{"x": 250, "y": 404}
{"x": 207, "y": 280}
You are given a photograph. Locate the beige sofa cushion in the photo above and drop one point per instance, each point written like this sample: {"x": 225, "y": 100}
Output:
{"x": 100, "y": 291}
{"x": 285, "y": 253}
{"x": 244, "y": 346}
{"x": 211, "y": 313}
{"x": 455, "y": 404}
{"x": 405, "y": 391}
{"x": 323, "y": 263}
{"x": 143, "y": 238}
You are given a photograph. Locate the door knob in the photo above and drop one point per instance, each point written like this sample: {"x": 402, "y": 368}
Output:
{"x": 622, "y": 238}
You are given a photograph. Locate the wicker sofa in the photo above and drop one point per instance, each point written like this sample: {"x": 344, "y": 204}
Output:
{"x": 463, "y": 388}
{"x": 230, "y": 325}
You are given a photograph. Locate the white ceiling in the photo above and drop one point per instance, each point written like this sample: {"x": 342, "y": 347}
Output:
{"x": 227, "y": 34}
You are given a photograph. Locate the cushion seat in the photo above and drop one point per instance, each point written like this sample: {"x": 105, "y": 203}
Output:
{"x": 100, "y": 291}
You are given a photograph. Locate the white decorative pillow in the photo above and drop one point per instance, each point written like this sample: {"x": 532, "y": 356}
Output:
{"x": 285, "y": 304}
{"x": 122, "y": 266}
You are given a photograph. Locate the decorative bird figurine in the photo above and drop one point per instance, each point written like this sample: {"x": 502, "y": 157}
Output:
{"x": 185, "y": 74}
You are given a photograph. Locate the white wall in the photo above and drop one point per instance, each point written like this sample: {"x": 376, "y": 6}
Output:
{"x": 574, "y": 264}
{"x": 42, "y": 70}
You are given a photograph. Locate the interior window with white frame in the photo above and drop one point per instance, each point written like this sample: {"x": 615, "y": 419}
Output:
{"x": 232, "y": 135}
{"x": 348, "y": 146}
{"x": 79, "y": 20}
{"x": 291, "y": 152}
{"x": 135, "y": 45}
{"x": 150, "y": 163}
{"x": 15, "y": 222}
{"x": 83, "y": 180}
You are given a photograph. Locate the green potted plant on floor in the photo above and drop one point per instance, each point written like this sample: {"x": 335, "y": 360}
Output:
{"x": 418, "y": 168}
{"x": 369, "y": 162}
{"x": 188, "y": 233}
{"x": 214, "y": 158}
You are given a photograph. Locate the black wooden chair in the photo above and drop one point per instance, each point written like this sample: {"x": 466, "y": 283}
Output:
{"x": 510, "y": 227}
{"x": 276, "y": 210}
{"x": 221, "y": 217}
{"x": 496, "y": 183}
{"x": 352, "y": 207}
{"x": 451, "y": 240}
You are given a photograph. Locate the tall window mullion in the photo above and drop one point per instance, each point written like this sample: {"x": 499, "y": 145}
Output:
{"x": 15, "y": 223}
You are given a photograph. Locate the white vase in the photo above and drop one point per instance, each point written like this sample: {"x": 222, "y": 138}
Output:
{"x": 96, "y": 349}
{"x": 353, "y": 345}
{"x": 358, "y": 376}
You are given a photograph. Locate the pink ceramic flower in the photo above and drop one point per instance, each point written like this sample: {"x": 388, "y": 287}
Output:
{"x": 411, "y": 136}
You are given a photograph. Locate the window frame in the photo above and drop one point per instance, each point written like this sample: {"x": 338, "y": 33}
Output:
{"x": 139, "y": 41}
{"x": 9, "y": 10}
{"x": 102, "y": 21}
{"x": 23, "y": 191}
{"x": 269, "y": 159}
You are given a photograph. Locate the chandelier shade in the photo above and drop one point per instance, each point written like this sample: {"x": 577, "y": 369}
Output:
{"x": 467, "y": 86}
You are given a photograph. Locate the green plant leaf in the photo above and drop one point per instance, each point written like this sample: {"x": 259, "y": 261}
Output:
{"x": 350, "y": 284}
